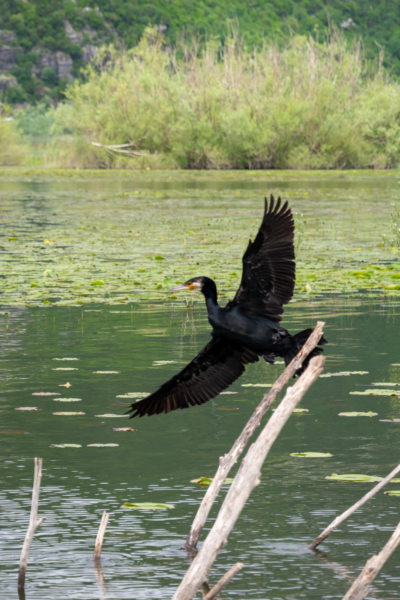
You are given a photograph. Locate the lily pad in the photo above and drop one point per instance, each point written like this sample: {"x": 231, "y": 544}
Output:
{"x": 344, "y": 373}
{"x": 66, "y": 446}
{"x": 148, "y": 505}
{"x": 376, "y": 392}
{"x": 311, "y": 454}
{"x": 392, "y": 492}
{"x": 110, "y": 416}
{"x": 263, "y": 385}
{"x": 133, "y": 395}
{"x": 357, "y": 477}
{"x": 357, "y": 413}
{"x": 106, "y": 372}
{"x": 69, "y": 414}
{"x": 205, "y": 481}
{"x": 99, "y": 445}
{"x": 124, "y": 429}
{"x": 160, "y": 363}
{"x": 67, "y": 400}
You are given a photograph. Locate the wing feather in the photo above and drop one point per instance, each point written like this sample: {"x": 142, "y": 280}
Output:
{"x": 268, "y": 275}
{"x": 211, "y": 371}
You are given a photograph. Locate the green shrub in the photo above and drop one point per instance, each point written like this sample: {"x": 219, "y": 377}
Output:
{"x": 308, "y": 105}
{"x": 12, "y": 149}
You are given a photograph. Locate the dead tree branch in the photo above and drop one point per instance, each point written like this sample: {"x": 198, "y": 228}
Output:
{"x": 359, "y": 589}
{"x": 225, "y": 579}
{"x": 125, "y": 149}
{"x": 227, "y": 461}
{"x": 246, "y": 479}
{"x": 100, "y": 535}
{"x": 34, "y": 523}
{"x": 338, "y": 520}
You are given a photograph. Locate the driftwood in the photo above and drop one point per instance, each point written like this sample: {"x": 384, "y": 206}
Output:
{"x": 359, "y": 589}
{"x": 100, "y": 535}
{"x": 34, "y": 523}
{"x": 338, "y": 520}
{"x": 246, "y": 479}
{"x": 227, "y": 461}
{"x": 125, "y": 149}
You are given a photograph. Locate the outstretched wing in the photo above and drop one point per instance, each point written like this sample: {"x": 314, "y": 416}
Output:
{"x": 210, "y": 372}
{"x": 268, "y": 264}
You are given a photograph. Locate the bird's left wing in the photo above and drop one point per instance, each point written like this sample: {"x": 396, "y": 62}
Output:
{"x": 211, "y": 371}
{"x": 268, "y": 264}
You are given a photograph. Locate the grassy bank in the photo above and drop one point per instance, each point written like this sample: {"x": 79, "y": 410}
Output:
{"x": 308, "y": 105}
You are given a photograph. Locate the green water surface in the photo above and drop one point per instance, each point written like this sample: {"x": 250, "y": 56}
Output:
{"x": 127, "y": 338}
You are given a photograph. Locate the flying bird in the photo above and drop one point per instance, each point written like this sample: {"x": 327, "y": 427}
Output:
{"x": 247, "y": 327}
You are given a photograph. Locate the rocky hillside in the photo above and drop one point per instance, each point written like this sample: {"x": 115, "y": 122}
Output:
{"x": 45, "y": 43}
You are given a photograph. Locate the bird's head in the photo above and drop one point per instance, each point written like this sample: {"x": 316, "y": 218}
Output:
{"x": 201, "y": 284}
{"x": 196, "y": 283}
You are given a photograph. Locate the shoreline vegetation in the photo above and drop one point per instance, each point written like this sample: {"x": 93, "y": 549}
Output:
{"x": 306, "y": 105}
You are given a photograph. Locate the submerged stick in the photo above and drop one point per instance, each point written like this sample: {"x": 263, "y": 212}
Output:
{"x": 227, "y": 461}
{"x": 338, "y": 520}
{"x": 359, "y": 589}
{"x": 225, "y": 579}
{"x": 34, "y": 523}
{"x": 246, "y": 479}
{"x": 100, "y": 535}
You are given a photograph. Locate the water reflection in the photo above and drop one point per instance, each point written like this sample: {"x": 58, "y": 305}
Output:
{"x": 142, "y": 555}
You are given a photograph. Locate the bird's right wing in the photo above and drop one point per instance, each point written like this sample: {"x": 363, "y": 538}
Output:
{"x": 268, "y": 264}
{"x": 211, "y": 371}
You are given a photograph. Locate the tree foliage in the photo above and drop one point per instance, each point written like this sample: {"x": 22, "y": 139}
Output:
{"x": 41, "y": 24}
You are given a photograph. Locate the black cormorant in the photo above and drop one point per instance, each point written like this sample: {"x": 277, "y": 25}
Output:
{"x": 247, "y": 327}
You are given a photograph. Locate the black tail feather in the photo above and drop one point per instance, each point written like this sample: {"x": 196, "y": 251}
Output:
{"x": 297, "y": 342}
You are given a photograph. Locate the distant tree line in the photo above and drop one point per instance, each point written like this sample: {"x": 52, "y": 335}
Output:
{"x": 45, "y": 26}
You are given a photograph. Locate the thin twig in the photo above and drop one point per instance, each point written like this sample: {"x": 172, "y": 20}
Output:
{"x": 359, "y": 589}
{"x": 100, "y": 535}
{"x": 225, "y": 579}
{"x": 227, "y": 461}
{"x": 246, "y": 479}
{"x": 338, "y": 520}
{"x": 34, "y": 523}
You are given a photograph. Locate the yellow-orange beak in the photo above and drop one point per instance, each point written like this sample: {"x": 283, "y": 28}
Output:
{"x": 182, "y": 286}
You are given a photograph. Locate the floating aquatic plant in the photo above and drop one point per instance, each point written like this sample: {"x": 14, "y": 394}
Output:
{"x": 148, "y": 505}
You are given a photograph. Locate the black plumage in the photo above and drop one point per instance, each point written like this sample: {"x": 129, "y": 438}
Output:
{"x": 247, "y": 327}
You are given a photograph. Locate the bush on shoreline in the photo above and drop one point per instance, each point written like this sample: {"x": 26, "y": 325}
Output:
{"x": 309, "y": 105}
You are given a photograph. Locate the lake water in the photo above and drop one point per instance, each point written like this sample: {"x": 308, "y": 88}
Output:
{"x": 132, "y": 348}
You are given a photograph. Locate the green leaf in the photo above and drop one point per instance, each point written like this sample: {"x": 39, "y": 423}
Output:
{"x": 392, "y": 492}
{"x": 147, "y": 505}
{"x": 205, "y": 481}
{"x": 357, "y": 477}
{"x": 311, "y": 454}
